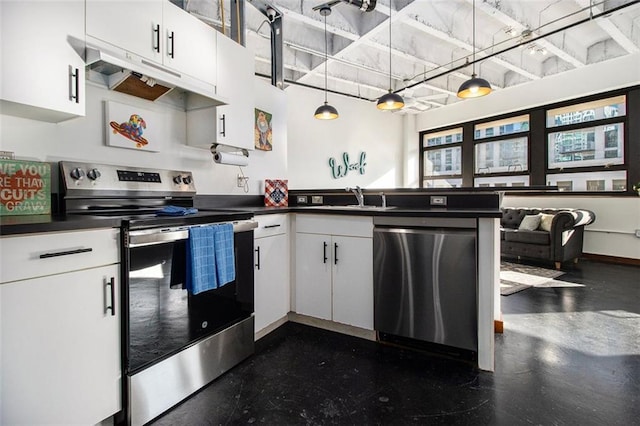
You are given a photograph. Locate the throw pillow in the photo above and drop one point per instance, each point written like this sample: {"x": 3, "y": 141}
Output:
{"x": 545, "y": 221}
{"x": 530, "y": 222}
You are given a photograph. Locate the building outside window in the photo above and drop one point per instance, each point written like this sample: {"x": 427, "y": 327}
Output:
{"x": 587, "y": 135}
{"x": 442, "y": 158}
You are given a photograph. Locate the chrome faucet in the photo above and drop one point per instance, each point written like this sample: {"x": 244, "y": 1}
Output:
{"x": 384, "y": 200}
{"x": 357, "y": 191}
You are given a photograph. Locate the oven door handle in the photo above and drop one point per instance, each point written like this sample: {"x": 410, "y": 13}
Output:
{"x": 148, "y": 237}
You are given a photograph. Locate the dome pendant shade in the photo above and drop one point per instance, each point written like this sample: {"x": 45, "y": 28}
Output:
{"x": 326, "y": 112}
{"x": 474, "y": 88}
{"x": 390, "y": 101}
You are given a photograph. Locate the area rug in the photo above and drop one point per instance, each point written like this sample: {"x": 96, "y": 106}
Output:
{"x": 515, "y": 277}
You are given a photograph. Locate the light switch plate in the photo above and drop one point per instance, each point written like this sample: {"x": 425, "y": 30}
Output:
{"x": 316, "y": 199}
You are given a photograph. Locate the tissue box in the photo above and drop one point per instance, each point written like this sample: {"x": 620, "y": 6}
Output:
{"x": 25, "y": 188}
{"x": 276, "y": 193}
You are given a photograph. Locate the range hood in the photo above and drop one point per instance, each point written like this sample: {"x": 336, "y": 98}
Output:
{"x": 134, "y": 75}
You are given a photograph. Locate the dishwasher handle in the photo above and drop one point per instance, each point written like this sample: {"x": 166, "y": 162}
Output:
{"x": 147, "y": 237}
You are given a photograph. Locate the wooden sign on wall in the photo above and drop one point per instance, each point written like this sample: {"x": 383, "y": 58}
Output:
{"x": 25, "y": 188}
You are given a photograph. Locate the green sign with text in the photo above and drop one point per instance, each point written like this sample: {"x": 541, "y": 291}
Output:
{"x": 340, "y": 169}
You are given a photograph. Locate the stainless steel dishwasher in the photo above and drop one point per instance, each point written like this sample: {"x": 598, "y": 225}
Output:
{"x": 425, "y": 280}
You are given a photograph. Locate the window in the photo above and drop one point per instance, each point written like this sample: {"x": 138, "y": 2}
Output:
{"x": 504, "y": 127}
{"x": 505, "y": 152}
{"x": 588, "y": 111}
{"x": 442, "y": 158}
{"x": 589, "y": 138}
{"x": 509, "y": 155}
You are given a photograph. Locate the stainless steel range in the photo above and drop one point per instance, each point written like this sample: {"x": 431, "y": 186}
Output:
{"x": 173, "y": 341}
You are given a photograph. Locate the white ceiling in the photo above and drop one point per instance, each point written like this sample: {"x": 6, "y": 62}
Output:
{"x": 432, "y": 40}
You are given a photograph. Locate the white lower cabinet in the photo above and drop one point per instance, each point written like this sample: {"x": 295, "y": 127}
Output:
{"x": 334, "y": 269}
{"x": 271, "y": 270}
{"x": 60, "y": 339}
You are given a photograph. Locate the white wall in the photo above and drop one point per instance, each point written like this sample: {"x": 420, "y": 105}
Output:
{"x": 612, "y": 233}
{"x": 361, "y": 127}
{"x": 83, "y": 139}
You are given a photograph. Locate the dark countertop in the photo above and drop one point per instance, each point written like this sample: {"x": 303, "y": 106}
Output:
{"x": 16, "y": 225}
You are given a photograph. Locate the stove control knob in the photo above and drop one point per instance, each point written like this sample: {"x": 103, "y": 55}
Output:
{"x": 77, "y": 173}
{"x": 177, "y": 179}
{"x": 94, "y": 174}
{"x": 187, "y": 180}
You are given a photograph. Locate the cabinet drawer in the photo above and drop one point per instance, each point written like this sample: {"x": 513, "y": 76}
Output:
{"x": 354, "y": 226}
{"x": 38, "y": 255}
{"x": 272, "y": 224}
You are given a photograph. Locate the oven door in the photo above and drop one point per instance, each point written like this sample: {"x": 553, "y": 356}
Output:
{"x": 162, "y": 316}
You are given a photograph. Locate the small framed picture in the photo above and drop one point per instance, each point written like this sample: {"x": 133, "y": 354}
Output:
{"x": 132, "y": 127}
{"x": 263, "y": 131}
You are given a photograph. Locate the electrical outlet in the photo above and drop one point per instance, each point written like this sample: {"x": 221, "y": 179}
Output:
{"x": 316, "y": 199}
{"x": 439, "y": 200}
{"x": 242, "y": 181}
{"x": 302, "y": 199}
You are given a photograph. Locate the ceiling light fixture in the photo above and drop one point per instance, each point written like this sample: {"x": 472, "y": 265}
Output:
{"x": 475, "y": 86}
{"x": 325, "y": 111}
{"x": 390, "y": 101}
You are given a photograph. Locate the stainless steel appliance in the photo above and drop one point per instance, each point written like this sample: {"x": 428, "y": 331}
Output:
{"x": 173, "y": 342}
{"x": 425, "y": 285}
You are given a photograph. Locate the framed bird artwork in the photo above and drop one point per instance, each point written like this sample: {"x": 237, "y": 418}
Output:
{"x": 263, "y": 130}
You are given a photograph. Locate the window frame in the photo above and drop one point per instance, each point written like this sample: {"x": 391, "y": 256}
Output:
{"x": 538, "y": 146}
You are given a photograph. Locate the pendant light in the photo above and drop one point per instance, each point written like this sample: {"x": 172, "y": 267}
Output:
{"x": 475, "y": 86}
{"x": 390, "y": 101}
{"x": 325, "y": 111}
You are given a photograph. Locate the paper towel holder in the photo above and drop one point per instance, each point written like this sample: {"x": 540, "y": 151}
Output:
{"x": 216, "y": 148}
{"x": 226, "y": 154}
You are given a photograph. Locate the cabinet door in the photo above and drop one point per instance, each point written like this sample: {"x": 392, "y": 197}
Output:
{"x": 236, "y": 67}
{"x": 353, "y": 281}
{"x": 190, "y": 44}
{"x": 132, "y": 25}
{"x": 42, "y": 44}
{"x": 60, "y": 348}
{"x": 313, "y": 275}
{"x": 271, "y": 280}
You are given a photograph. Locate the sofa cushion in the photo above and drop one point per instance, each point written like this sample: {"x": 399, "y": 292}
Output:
{"x": 530, "y": 222}
{"x": 529, "y": 237}
{"x": 545, "y": 222}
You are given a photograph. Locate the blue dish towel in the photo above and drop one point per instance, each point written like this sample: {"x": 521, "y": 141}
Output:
{"x": 176, "y": 211}
{"x": 201, "y": 259}
{"x": 225, "y": 257}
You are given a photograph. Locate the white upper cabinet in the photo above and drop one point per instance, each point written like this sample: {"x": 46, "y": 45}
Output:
{"x": 190, "y": 44}
{"x": 42, "y": 45}
{"x": 158, "y": 31}
{"x": 132, "y": 25}
{"x": 230, "y": 124}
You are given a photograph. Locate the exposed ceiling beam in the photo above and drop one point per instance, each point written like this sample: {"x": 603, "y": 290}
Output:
{"x": 441, "y": 35}
{"x": 509, "y": 21}
{"x": 614, "y": 32}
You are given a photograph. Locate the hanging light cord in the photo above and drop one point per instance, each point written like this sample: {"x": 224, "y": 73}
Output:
{"x": 325, "y": 58}
{"x": 473, "y": 52}
{"x": 389, "y": 46}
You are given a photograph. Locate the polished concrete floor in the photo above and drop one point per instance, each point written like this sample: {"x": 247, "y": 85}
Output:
{"x": 569, "y": 355}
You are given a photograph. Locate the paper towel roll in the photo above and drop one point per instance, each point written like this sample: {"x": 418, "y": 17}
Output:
{"x": 229, "y": 158}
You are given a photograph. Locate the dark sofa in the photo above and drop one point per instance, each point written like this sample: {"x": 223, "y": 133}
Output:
{"x": 557, "y": 238}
